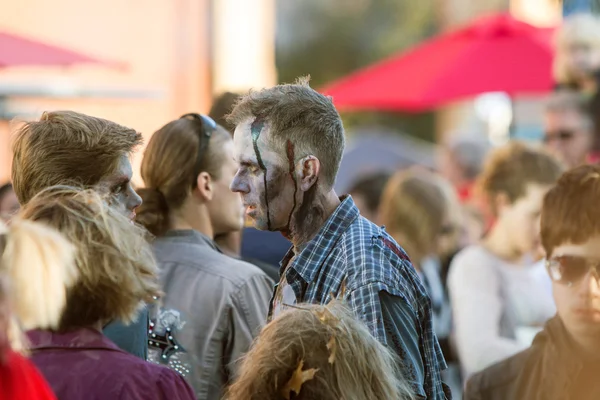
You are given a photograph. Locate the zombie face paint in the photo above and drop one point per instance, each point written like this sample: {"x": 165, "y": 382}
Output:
{"x": 264, "y": 177}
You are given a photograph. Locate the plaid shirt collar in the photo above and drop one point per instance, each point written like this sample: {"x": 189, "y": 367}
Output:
{"x": 312, "y": 256}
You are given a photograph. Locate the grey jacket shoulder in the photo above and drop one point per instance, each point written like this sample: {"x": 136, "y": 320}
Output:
{"x": 206, "y": 259}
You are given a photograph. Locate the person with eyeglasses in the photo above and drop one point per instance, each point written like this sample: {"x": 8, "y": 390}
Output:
{"x": 214, "y": 305}
{"x": 564, "y": 360}
{"x": 568, "y": 127}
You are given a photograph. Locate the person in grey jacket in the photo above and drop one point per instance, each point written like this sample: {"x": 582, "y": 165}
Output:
{"x": 214, "y": 305}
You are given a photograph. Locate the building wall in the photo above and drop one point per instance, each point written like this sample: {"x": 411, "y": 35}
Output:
{"x": 164, "y": 45}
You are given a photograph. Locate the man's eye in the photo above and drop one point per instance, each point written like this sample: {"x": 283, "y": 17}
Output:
{"x": 120, "y": 189}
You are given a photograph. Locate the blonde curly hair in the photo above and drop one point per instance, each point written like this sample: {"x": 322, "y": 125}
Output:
{"x": 318, "y": 352}
{"x": 116, "y": 267}
{"x": 36, "y": 268}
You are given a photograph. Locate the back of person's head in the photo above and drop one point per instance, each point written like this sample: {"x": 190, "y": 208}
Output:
{"x": 297, "y": 114}
{"x": 564, "y": 100}
{"x": 469, "y": 154}
{"x": 318, "y": 353}
{"x": 116, "y": 269}
{"x": 66, "y": 147}
{"x": 222, "y": 107}
{"x": 369, "y": 189}
{"x": 570, "y": 212}
{"x": 415, "y": 211}
{"x": 171, "y": 165}
{"x": 511, "y": 168}
{"x": 36, "y": 268}
{"x": 577, "y": 31}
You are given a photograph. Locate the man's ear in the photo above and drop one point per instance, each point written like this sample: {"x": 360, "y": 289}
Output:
{"x": 204, "y": 187}
{"x": 310, "y": 167}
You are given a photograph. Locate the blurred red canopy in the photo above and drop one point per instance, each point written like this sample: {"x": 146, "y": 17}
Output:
{"x": 495, "y": 53}
{"x": 19, "y": 51}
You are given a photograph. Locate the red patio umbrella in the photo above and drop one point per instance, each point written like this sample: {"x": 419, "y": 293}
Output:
{"x": 19, "y": 51}
{"x": 494, "y": 53}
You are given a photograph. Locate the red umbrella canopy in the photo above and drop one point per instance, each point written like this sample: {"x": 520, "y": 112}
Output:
{"x": 19, "y": 51}
{"x": 493, "y": 54}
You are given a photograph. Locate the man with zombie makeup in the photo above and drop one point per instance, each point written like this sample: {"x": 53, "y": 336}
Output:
{"x": 288, "y": 143}
{"x": 564, "y": 359}
{"x": 65, "y": 147}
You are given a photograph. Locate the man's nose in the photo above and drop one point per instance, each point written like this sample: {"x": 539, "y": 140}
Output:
{"x": 239, "y": 185}
{"x": 135, "y": 201}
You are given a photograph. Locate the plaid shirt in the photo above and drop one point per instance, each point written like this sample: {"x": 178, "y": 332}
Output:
{"x": 351, "y": 248}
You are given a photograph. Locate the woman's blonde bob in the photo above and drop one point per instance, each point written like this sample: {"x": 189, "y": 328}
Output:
{"x": 116, "y": 270}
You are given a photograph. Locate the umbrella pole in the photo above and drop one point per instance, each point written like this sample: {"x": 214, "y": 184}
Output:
{"x": 512, "y": 126}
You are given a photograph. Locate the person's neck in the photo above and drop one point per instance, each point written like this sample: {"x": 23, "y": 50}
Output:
{"x": 230, "y": 243}
{"x": 498, "y": 243}
{"x": 588, "y": 345}
{"x": 192, "y": 217}
{"x": 311, "y": 217}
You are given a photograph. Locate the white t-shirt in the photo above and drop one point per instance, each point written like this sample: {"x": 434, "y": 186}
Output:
{"x": 497, "y": 306}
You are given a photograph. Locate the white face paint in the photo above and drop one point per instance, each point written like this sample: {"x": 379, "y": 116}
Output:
{"x": 263, "y": 178}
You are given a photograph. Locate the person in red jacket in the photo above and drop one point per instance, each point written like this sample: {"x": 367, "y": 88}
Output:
{"x": 29, "y": 251}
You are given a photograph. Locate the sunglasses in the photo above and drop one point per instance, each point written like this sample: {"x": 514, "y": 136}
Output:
{"x": 207, "y": 127}
{"x": 569, "y": 270}
{"x": 561, "y": 135}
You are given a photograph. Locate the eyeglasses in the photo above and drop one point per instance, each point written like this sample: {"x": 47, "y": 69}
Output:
{"x": 571, "y": 269}
{"x": 207, "y": 127}
{"x": 561, "y": 135}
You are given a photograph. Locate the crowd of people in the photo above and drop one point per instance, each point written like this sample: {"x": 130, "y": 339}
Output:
{"x": 479, "y": 281}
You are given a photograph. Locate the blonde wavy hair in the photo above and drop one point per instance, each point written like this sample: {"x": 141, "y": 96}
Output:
{"x": 117, "y": 271}
{"x": 414, "y": 208}
{"x": 36, "y": 267}
{"x": 318, "y": 353}
{"x": 581, "y": 28}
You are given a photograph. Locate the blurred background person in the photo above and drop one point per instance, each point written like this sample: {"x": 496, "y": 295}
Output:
{"x": 461, "y": 161}
{"x": 65, "y": 147}
{"x": 318, "y": 352}
{"x": 214, "y": 305}
{"x": 568, "y": 127}
{"x": 577, "y": 56}
{"x": 9, "y": 203}
{"x": 500, "y": 297}
{"x": 37, "y": 266}
{"x": 117, "y": 274}
{"x": 416, "y": 210}
{"x": 564, "y": 357}
{"x": 366, "y": 193}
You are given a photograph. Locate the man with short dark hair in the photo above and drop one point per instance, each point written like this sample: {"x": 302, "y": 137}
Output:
{"x": 65, "y": 147}
{"x": 568, "y": 127}
{"x": 288, "y": 142}
{"x": 564, "y": 359}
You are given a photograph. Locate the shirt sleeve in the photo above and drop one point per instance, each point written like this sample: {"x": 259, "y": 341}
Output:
{"x": 403, "y": 338}
{"x": 477, "y": 308}
{"x": 248, "y": 315}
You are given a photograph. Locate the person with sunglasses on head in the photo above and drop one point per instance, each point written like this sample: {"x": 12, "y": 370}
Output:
{"x": 564, "y": 360}
{"x": 214, "y": 305}
{"x": 568, "y": 127}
